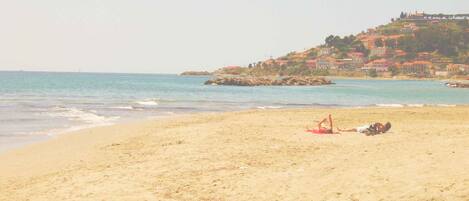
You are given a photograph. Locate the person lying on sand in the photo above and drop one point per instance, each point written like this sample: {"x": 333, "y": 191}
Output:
{"x": 321, "y": 129}
{"x": 370, "y": 129}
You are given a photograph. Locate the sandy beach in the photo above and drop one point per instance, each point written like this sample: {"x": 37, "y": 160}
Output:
{"x": 250, "y": 155}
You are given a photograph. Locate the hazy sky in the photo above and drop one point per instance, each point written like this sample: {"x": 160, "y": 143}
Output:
{"x": 170, "y": 36}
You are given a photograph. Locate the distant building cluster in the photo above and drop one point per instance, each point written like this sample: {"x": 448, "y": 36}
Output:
{"x": 379, "y": 53}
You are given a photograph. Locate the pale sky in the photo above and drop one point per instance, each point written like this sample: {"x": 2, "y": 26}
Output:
{"x": 171, "y": 36}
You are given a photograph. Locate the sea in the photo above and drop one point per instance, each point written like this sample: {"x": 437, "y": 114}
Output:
{"x": 35, "y": 106}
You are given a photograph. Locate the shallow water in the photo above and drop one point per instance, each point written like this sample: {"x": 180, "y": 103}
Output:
{"x": 38, "y": 104}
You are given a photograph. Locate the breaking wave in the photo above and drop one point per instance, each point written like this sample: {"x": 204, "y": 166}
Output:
{"x": 75, "y": 114}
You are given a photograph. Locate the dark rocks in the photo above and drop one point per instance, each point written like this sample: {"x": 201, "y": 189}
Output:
{"x": 457, "y": 85}
{"x": 266, "y": 81}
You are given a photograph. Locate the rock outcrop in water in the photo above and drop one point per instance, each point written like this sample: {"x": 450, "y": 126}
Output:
{"x": 457, "y": 85}
{"x": 266, "y": 81}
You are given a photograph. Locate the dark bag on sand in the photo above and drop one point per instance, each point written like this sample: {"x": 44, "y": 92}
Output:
{"x": 372, "y": 130}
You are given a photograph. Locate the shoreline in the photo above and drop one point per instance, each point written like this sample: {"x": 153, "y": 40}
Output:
{"x": 391, "y": 78}
{"x": 250, "y": 155}
{"x": 44, "y": 136}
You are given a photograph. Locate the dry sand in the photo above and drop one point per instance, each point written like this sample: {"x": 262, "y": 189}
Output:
{"x": 250, "y": 155}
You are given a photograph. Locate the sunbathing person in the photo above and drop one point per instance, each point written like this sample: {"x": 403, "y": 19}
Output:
{"x": 370, "y": 129}
{"x": 321, "y": 129}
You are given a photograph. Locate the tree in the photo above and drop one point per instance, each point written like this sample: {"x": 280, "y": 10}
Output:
{"x": 408, "y": 44}
{"x": 403, "y": 15}
{"x": 379, "y": 42}
{"x": 250, "y": 66}
{"x": 372, "y": 73}
{"x": 313, "y": 53}
{"x": 391, "y": 43}
{"x": 394, "y": 70}
{"x": 320, "y": 72}
{"x": 446, "y": 40}
{"x": 340, "y": 43}
{"x": 359, "y": 47}
{"x": 329, "y": 40}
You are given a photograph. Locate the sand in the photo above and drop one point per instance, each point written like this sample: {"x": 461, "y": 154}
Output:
{"x": 250, "y": 155}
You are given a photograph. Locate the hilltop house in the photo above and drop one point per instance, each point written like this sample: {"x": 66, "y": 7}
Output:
{"x": 416, "y": 17}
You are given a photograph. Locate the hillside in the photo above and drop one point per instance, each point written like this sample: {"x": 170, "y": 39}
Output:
{"x": 416, "y": 45}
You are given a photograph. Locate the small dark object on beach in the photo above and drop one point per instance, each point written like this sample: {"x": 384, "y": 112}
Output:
{"x": 457, "y": 85}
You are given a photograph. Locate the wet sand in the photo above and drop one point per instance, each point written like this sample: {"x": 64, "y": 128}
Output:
{"x": 250, "y": 155}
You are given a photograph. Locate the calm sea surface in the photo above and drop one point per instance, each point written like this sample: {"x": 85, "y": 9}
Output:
{"x": 35, "y": 105}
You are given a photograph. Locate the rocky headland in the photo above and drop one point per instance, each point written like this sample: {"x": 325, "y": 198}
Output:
{"x": 269, "y": 81}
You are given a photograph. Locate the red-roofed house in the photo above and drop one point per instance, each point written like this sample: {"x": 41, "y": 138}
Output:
{"x": 416, "y": 67}
{"x": 311, "y": 64}
{"x": 399, "y": 53}
{"x": 380, "y": 65}
{"x": 347, "y": 64}
{"x": 358, "y": 59}
{"x": 326, "y": 63}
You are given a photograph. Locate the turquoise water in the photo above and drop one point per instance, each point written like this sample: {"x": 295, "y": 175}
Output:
{"x": 35, "y": 104}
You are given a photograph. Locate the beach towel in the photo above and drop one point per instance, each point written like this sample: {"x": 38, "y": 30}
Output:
{"x": 319, "y": 131}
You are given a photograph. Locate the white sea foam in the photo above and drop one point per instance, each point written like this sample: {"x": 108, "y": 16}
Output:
{"x": 123, "y": 107}
{"x": 415, "y": 105}
{"x": 445, "y": 105}
{"x": 58, "y": 131}
{"x": 268, "y": 107}
{"x": 389, "y": 105}
{"x": 89, "y": 117}
{"x": 148, "y": 102}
